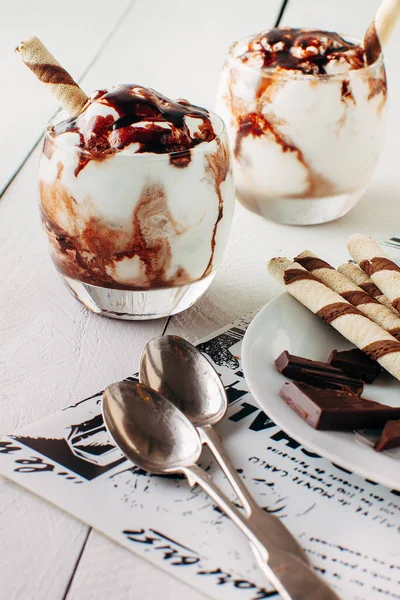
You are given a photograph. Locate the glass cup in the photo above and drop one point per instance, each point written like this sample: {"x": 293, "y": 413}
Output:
{"x": 304, "y": 146}
{"x": 136, "y": 236}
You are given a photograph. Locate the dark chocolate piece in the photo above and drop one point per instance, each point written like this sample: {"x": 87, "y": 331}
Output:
{"x": 334, "y": 410}
{"x": 355, "y": 363}
{"x": 390, "y": 436}
{"x": 317, "y": 373}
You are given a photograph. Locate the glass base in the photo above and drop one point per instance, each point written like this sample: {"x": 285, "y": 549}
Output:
{"x": 137, "y": 305}
{"x": 302, "y": 211}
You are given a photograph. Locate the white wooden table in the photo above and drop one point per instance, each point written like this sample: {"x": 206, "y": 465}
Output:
{"x": 52, "y": 351}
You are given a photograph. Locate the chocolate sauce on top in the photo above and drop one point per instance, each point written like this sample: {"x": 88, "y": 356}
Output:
{"x": 305, "y": 50}
{"x": 146, "y": 118}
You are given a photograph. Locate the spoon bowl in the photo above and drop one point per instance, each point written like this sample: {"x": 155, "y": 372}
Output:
{"x": 156, "y": 436}
{"x": 150, "y": 431}
{"x": 178, "y": 371}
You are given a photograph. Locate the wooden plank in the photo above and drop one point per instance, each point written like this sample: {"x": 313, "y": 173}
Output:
{"x": 73, "y": 32}
{"x": 351, "y": 18}
{"x": 107, "y": 570}
{"x": 40, "y": 545}
{"x": 189, "y": 42}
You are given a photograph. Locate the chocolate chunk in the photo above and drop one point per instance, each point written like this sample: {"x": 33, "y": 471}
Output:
{"x": 355, "y": 363}
{"x": 390, "y": 436}
{"x": 335, "y": 410}
{"x": 317, "y": 373}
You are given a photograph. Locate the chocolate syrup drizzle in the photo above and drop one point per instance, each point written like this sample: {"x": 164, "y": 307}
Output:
{"x": 218, "y": 167}
{"x": 89, "y": 250}
{"x": 256, "y": 124}
{"x": 308, "y": 51}
{"x": 135, "y": 105}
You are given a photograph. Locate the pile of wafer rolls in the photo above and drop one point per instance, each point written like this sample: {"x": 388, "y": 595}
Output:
{"x": 362, "y": 303}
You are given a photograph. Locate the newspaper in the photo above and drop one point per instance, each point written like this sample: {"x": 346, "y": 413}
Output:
{"x": 348, "y": 525}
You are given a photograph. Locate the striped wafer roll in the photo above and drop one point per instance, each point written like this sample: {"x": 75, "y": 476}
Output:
{"x": 361, "y": 279}
{"x": 380, "y": 30}
{"x": 377, "y": 265}
{"x": 49, "y": 71}
{"x": 343, "y": 316}
{"x": 345, "y": 287}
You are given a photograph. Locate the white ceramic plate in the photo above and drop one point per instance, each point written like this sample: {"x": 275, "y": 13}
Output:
{"x": 285, "y": 324}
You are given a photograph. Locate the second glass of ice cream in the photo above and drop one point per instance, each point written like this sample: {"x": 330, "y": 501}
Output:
{"x": 305, "y": 117}
{"x": 137, "y": 199}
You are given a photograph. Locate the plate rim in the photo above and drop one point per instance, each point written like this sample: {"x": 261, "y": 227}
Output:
{"x": 313, "y": 446}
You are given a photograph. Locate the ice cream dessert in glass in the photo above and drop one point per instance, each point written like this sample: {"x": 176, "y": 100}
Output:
{"x": 136, "y": 197}
{"x": 305, "y": 113}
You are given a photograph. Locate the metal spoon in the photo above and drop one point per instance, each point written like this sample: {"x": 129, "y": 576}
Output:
{"x": 176, "y": 369}
{"x": 157, "y": 437}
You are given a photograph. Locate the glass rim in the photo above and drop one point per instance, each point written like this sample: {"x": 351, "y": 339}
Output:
{"x": 299, "y": 75}
{"x": 48, "y": 135}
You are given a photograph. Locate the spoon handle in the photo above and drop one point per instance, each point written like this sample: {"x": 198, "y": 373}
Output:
{"x": 292, "y": 578}
{"x": 209, "y": 436}
{"x": 269, "y": 526}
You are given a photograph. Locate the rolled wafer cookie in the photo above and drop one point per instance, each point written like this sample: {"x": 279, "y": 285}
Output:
{"x": 386, "y": 19}
{"x": 377, "y": 265}
{"x": 343, "y": 286}
{"x": 49, "y": 71}
{"x": 380, "y": 30}
{"x": 335, "y": 310}
{"x": 361, "y": 279}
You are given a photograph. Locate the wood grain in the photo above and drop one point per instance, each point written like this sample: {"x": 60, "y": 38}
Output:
{"x": 73, "y": 32}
